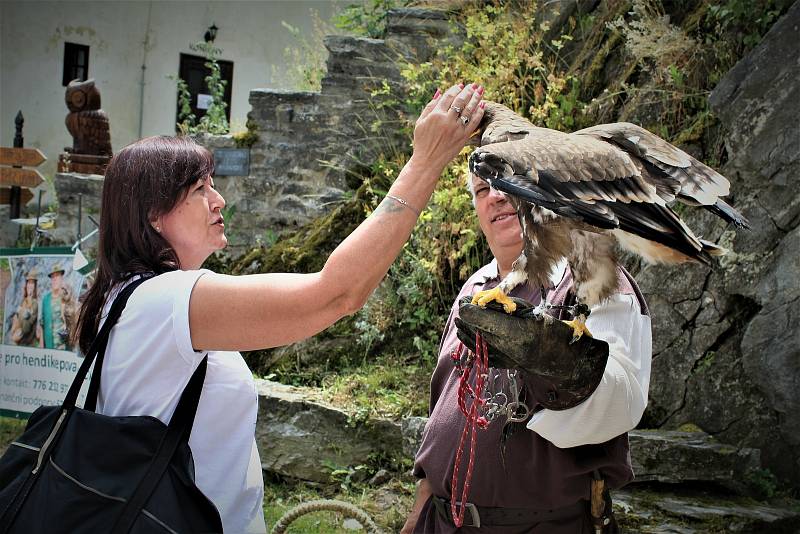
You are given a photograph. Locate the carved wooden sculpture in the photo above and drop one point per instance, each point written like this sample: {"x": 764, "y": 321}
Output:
{"x": 88, "y": 124}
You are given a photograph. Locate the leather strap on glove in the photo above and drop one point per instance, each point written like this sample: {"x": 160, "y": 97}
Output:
{"x": 560, "y": 375}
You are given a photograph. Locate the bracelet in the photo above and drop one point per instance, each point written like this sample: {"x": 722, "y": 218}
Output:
{"x": 404, "y": 203}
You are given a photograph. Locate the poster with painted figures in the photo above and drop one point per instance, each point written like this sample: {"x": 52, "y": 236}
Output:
{"x": 39, "y": 292}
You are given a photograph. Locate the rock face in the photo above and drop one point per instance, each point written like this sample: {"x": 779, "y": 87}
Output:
{"x": 309, "y": 142}
{"x": 727, "y": 341}
{"x": 301, "y": 437}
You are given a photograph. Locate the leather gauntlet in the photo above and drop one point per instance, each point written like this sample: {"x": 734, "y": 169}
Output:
{"x": 558, "y": 373}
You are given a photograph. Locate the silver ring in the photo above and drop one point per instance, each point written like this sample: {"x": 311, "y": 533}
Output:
{"x": 456, "y": 109}
{"x": 464, "y": 119}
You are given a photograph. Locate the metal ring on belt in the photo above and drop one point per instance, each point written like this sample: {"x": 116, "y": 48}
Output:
{"x": 485, "y": 516}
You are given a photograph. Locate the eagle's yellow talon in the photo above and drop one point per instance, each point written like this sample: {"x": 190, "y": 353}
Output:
{"x": 482, "y": 298}
{"x": 578, "y": 329}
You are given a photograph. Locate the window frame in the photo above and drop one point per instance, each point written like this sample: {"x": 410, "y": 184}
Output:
{"x": 71, "y": 65}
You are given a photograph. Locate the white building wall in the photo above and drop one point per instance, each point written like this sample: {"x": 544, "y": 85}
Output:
{"x": 123, "y": 36}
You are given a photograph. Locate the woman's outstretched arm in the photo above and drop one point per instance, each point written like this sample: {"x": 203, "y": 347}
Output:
{"x": 268, "y": 310}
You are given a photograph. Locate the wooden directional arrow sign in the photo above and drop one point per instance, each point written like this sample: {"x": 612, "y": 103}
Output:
{"x": 20, "y": 177}
{"x": 25, "y": 196}
{"x": 24, "y": 157}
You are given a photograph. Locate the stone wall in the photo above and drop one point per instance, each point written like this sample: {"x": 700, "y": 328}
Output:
{"x": 69, "y": 187}
{"x": 310, "y": 142}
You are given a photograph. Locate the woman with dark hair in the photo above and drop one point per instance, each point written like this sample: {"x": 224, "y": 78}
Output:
{"x": 26, "y": 321}
{"x": 162, "y": 216}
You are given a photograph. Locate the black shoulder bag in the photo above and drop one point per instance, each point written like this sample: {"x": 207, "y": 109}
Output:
{"x": 75, "y": 471}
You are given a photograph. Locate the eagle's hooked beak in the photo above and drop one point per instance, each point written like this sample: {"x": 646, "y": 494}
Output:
{"x": 487, "y": 165}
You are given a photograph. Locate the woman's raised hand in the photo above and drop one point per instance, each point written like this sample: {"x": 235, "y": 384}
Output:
{"x": 446, "y": 123}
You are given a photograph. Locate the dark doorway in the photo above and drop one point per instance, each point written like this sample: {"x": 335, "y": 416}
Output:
{"x": 193, "y": 71}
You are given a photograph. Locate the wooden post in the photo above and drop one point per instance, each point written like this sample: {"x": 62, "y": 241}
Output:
{"x": 16, "y": 192}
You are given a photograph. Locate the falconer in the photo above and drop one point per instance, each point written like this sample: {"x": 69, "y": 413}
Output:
{"x": 23, "y": 331}
{"x": 573, "y": 403}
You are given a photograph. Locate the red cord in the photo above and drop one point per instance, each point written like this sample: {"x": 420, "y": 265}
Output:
{"x": 474, "y": 421}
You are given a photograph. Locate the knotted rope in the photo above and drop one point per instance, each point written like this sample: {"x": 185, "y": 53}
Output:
{"x": 347, "y": 509}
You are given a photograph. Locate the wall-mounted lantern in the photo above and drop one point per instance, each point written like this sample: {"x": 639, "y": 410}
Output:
{"x": 211, "y": 33}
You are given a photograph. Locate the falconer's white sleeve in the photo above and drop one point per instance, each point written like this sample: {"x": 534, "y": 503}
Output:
{"x": 617, "y": 405}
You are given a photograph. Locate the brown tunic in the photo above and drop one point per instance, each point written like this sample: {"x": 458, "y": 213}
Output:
{"x": 535, "y": 473}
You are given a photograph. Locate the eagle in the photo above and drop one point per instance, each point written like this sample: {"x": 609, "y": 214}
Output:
{"x": 585, "y": 195}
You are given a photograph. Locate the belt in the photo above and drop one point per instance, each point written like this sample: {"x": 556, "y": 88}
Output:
{"x": 485, "y": 516}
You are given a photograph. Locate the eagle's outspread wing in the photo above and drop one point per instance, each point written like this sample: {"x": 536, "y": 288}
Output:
{"x": 674, "y": 172}
{"x": 579, "y": 195}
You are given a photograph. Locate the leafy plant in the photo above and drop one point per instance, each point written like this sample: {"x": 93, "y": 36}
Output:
{"x": 763, "y": 483}
{"x": 185, "y": 115}
{"x": 743, "y": 16}
{"x": 215, "y": 120}
{"x": 506, "y": 53}
{"x": 367, "y": 19}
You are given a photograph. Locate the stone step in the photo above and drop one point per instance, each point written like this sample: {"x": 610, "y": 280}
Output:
{"x": 660, "y": 511}
{"x": 672, "y": 456}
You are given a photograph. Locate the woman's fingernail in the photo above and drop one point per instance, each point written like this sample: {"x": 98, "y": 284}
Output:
{"x": 437, "y": 93}
{"x": 461, "y": 85}
{"x": 483, "y": 105}
{"x": 475, "y": 85}
{"x": 481, "y": 89}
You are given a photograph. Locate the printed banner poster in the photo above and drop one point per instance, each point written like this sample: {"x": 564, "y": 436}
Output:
{"x": 39, "y": 292}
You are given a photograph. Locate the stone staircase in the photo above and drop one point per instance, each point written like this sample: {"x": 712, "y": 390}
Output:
{"x": 310, "y": 142}
{"x": 687, "y": 482}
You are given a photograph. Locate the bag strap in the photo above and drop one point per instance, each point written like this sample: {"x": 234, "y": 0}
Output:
{"x": 99, "y": 346}
{"x": 94, "y": 385}
{"x": 178, "y": 431}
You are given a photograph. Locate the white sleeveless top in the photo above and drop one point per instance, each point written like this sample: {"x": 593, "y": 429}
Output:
{"x": 149, "y": 361}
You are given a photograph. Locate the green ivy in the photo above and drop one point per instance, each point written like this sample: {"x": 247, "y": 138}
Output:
{"x": 367, "y": 19}
{"x": 215, "y": 120}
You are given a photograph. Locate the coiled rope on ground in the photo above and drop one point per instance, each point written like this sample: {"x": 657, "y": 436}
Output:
{"x": 347, "y": 509}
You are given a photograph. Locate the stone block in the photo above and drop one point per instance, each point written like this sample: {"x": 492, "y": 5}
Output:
{"x": 68, "y": 187}
{"x": 654, "y": 511}
{"x": 673, "y": 456}
{"x": 304, "y": 438}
